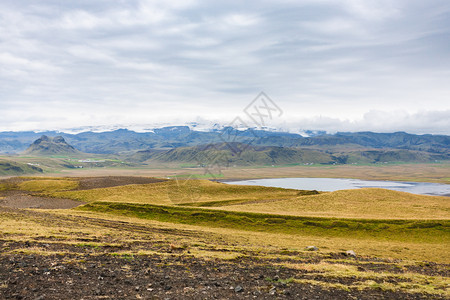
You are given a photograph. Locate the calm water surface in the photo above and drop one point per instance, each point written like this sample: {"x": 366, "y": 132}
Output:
{"x": 334, "y": 184}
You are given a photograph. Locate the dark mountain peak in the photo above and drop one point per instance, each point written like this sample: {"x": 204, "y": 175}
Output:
{"x": 46, "y": 145}
{"x": 47, "y": 139}
{"x": 59, "y": 139}
{"x": 43, "y": 138}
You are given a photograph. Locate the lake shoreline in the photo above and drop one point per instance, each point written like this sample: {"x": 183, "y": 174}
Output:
{"x": 334, "y": 184}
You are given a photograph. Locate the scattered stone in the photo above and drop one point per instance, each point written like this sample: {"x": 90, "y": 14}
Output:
{"x": 188, "y": 289}
{"x": 311, "y": 248}
{"x": 193, "y": 278}
{"x": 273, "y": 291}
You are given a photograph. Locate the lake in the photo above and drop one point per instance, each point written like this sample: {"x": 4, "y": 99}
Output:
{"x": 334, "y": 184}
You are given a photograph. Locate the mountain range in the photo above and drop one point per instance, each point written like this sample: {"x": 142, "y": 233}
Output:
{"x": 239, "y": 154}
{"x": 123, "y": 141}
{"x": 228, "y": 154}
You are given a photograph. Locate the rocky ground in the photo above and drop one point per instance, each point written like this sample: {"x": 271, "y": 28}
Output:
{"x": 51, "y": 255}
{"x": 51, "y": 267}
{"x": 161, "y": 277}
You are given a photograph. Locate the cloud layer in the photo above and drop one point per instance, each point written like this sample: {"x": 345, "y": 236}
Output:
{"x": 376, "y": 65}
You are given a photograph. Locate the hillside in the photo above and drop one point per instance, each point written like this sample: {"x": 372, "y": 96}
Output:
{"x": 49, "y": 146}
{"x": 226, "y": 155}
{"x": 357, "y": 203}
{"x": 10, "y": 168}
{"x": 250, "y": 155}
{"x": 386, "y": 156}
{"x": 397, "y": 140}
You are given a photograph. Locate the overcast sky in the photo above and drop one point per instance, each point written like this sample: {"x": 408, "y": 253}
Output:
{"x": 343, "y": 65}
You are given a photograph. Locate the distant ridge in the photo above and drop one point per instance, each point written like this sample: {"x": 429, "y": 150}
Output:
{"x": 128, "y": 141}
{"x": 46, "y": 146}
{"x": 250, "y": 155}
{"x": 244, "y": 154}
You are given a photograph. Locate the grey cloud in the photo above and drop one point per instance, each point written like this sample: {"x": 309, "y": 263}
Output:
{"x": 131, "y": 59}
{"x": 436, "y": 122}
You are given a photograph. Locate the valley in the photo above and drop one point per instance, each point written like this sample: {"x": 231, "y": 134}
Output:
{"x": 171, "y": 150}
{"x": 227, "y": 153}
{"x": 156, "y": 223}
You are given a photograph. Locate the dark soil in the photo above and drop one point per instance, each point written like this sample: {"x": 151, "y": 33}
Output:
{"x": 61, "y": 270}
{"x": 87, "y": 183}
{"x": 20, "y": 199}
{"x": 16, "y": 198}
{"x": 158, "y": 277}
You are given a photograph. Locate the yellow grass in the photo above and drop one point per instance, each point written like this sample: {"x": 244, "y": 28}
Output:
{"x": 95, "y": 230}
{"x": 367, "y": 279}
{"x": 48, "y": 185}
{"x": 70, "y": 230}
{"x": 215, "y": 254}
{"x": 272, "y": 241}
{"x": 373, "y": 203}
{"x": 364, "y": 203}
{"x": 177, "y": 192}
{"x": 155, "y": 193}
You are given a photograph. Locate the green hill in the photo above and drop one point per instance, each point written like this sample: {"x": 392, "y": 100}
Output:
{"x": 387, "y": 156}
{"x": 239, "y": 154}
{"x": 10, "y": 168}
{"x": 235, "y": 154}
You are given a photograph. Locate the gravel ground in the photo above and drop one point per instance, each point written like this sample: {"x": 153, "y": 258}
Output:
{"x": 46, "y": 267}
